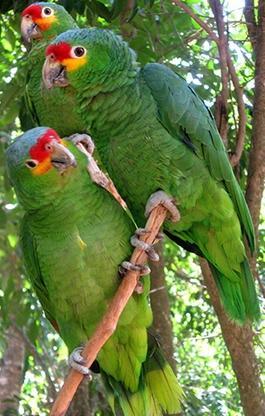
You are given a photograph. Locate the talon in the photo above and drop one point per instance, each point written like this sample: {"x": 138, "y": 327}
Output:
{"x": 84, "y": 139}
{"x": 139, "y": 288}
{"x": 76, "y": 361}
{"x": 148, "y": 248}
{"x": 161, "y": 198}
{"x": 141, "y": 231}
{"x": 142, "y": 269}
{"x": 127, "y": 265}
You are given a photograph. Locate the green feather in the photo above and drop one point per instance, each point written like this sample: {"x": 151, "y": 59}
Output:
{"x": 72, "y": 252}
{"x": 154, "y": 133}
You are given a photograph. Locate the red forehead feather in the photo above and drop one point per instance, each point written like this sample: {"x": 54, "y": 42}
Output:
{"x": 34, "y": 10}
{"x": 60, "y": 50}
{"x": 38, "y": 151}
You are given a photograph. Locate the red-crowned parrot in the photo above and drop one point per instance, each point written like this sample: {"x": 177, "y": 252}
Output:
{"x": 40, "y": 23}
{"x": 155, "y": 134}
{"x": 74, "y": 236}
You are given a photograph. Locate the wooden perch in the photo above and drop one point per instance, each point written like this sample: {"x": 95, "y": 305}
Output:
{"x": 129, "y": 282}
{"x": 109, "y": 321}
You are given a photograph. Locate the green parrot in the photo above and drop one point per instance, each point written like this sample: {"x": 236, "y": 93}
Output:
{"x": 40, "y": 23}
{"x": 156, "y": 136}
{"x": 72, "y": 252}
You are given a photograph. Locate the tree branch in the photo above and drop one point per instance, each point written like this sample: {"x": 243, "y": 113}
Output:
{"x": 197, "y": 19}
{"x": 38, "y": 359}
{"x": 221, "y": 102}
{"x": 239, "y": 342}
{"x": 251, "y": 22}
{"x": 240, "y": 136}
{"x": 256, "y": 171}
{"x": 109, "y": 321}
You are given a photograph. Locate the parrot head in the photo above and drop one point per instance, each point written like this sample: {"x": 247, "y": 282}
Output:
{"x": 39, "y": 166}
{"x": 96, "y": 58}
{"x": 44, "y": 21}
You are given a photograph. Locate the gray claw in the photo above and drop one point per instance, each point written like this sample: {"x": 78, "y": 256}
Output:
{"x": 76, "y": 361}
{"x": 142, "y": 269}
{"x": 84, "y": 139}
{"x": 148, "y": 248}
{"x": 127, "y": 265}
{"x": 161, "y": 198}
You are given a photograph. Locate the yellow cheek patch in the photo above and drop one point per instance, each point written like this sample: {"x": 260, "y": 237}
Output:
{"x": 72, "y": 64}
{"x": 45, "y": 22}
{"x": 43, "y": 167}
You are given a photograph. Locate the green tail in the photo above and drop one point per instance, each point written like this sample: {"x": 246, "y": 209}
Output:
{"x": 239, "y": 298}
{"x": 158, "y": 390}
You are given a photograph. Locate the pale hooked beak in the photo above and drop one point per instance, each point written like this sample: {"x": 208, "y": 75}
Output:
{"x": 53, "y": 73}
{"x": 29, "y": 30}
{"x": 61, "y": 157}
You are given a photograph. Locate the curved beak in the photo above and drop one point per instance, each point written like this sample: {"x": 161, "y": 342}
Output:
{"x": 53, "y": 73}
{"x": 61, "y": 157}
{"x": 29, "y": 30}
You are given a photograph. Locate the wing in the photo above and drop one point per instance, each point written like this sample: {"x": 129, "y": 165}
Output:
{"x": 29, "y": 248}
{"x": 28, "y": 115}
{"x": 184, "y": 115}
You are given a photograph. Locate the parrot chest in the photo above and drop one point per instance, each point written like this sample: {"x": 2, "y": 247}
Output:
{"x": 80, "y": 271}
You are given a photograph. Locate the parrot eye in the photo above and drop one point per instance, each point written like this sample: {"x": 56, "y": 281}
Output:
{"x": 31, "y": 163}
{"x": 48, "y": 147}
{"x": 78, "y": 52}
{"x": 47, "y": 11}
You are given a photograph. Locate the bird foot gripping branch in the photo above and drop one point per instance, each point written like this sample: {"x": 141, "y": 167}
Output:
{"x": 86, "y": 145}
{"x": 77, "y": 362}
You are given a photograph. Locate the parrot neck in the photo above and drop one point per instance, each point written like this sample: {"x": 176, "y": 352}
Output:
{"x": 74, "y": 204}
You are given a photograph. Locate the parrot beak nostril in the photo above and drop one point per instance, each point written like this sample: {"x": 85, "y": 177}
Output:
{"x": 29, "y": 30}
{"x": 53, "y": 73}
{"x": 61, "y": 157}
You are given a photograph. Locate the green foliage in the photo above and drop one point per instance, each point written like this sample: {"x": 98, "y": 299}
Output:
{"x": 159, "y": 32}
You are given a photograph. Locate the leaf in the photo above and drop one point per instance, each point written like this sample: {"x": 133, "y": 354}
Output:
{"x": 117, "y": 7}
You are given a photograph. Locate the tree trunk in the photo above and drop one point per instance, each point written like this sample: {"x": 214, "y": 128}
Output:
{"x": 160, "y": 306}
{"x": 11, "y": 372}
{"x": 239, "y": 342}
{"x": 256, "y": 172}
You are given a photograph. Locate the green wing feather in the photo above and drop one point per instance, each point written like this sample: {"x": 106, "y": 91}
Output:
{"x": 186, "y": 117}
{"x": 32, "y": 266}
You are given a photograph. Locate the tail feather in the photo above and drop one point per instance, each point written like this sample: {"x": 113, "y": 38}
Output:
{"x": 158, "y": 390}
{"x": 162, "y": 383}
{"x": 239, "y": 298}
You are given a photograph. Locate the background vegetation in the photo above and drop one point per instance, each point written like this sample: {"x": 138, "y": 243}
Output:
{"x": 211, "y": 354}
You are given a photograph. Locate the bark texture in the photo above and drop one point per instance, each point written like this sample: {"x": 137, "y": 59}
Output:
{"x": 11, "y": 372}
{"x": 239, "y": 342}
{"x": 162, "y": 325}
{"x": 256, "y": 172}
{"x": 80, "y": 405}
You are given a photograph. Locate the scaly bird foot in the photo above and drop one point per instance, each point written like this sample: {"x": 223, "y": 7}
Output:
{"x": 77, "y": 362}
{"x": 161, "y": 198}
{"x": 143, "y": 270}
{"x": 84, "y": 139}
{"x": 148, "y": 248}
